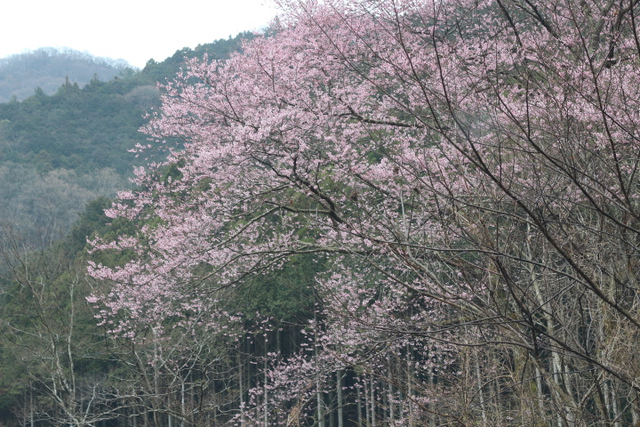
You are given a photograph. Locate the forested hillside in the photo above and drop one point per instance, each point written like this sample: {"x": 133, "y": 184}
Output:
{"x": 60, "y": 150}
{"x": 377, "y": 214}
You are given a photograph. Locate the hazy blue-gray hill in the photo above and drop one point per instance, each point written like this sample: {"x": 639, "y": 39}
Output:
{"x": 48, "y": 69}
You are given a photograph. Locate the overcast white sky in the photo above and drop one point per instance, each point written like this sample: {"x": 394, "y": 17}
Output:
{"x": 133, "y": 30}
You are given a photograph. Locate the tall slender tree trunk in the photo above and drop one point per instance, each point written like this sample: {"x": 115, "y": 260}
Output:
{"x": 319, "y": 402}
{"x": 367, "y": 398}
{"x": 31, "y": 414}
{"x": 373, "y": 402}
{"x": 339, "y": 398}
{"x": 359, "y": 404}
{"x": 134, "y": 416}
{"x": 240, "y": 389}
{"x": 480, "y": 391}
{"x": 266, "y": 392}
{"x": 410, "y": 385}
{"x": 390, "y": 391}
{"x": 319, "y": 396}
{"x": 183, "y": 409}
{"x": 614, "y": 407}
{"x": 539, "y": 390}
{"x": 635, "y": 417}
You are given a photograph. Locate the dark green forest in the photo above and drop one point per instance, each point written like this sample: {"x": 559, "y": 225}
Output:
{"x": 59, "y": 151}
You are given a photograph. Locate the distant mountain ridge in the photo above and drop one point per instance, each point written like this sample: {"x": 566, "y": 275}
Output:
{"x": 49, "y": 68}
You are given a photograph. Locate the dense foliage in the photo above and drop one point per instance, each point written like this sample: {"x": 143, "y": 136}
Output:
{"x": 60, "y": 150}
{"x": 93, "y": 126}
{"x": 467, "y": 173}
{"x": 380, "y": 213}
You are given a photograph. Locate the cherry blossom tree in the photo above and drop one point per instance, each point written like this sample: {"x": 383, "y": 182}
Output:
{"x": 469, "y": 168}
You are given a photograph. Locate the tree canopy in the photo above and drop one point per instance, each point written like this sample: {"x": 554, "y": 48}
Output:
{"x": 464, "y": 171}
